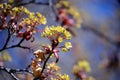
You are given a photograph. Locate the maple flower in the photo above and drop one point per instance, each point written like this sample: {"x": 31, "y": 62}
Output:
{"x": 58, "y": 34}
{"x": 16, "y": 9}
{"x": 11, "y": 1}
{"x": 64, "y": 77}
{"x": 64, "y": 49}
{"x": 31, "y": 15}
{"x": 56, "y": 31}
{"x": 26, "y": 11}
{"x": 68, "y": 45}
{"x": 60, "y": 39}
{"x": 65, "y": 11}
{"x": 38, "y": 14}
{"x": 53, "y": 66}
{"x": 84, "y": 66}
{"x": 42, "y": 20}
{"x": 76, "y": 69}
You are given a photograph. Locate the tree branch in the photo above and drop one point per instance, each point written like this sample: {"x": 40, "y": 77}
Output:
{"x": 53, "y": 8}
{"x": 16, "y": 45}
{"x": 19, "y": 46}
{"x": 34, "y": 2}
{"x": 8, "y": 71}
{"x": 30, "y": 2}
{"x": 45, "y": 62}
{"x": 53, "y": 45}
{"x": 44, "y": 65}
{"x": 21, "y": 41}
{"x": 13, "y": 71}
{"x": 7, "y": 40}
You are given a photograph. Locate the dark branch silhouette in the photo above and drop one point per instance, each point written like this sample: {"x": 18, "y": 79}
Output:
{"x": 12, "y": 72}
{"x": 37, "y": 3}
{"x": 14, "y": 46}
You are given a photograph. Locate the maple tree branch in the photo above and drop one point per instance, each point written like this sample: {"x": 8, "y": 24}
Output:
{"x": 30, "y": 2}
{"x": 46, "y": 62}
{"x": 16, "y": 45}
{"x": 13, "y": 71}
{"x": 8, "y": 39}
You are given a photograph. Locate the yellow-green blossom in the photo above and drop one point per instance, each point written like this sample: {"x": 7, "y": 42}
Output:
{"x": 60, "y": 39}
{"x": 5, "y": 6}
{"x": 16, "y": 9}
{"x": 64, "y": 77}
{"x": 84, "y": 66}
{"x": 38, "y": 14}
{"x": 11, "y": 1}
{"x": 56, "y": 31}
{"x": 1, "y": 6}
{"x": 53, "y": 66}
{"x": 64, "y": 49}
{"x": 91, "y": 78}
{"x": 68, "y": 45}
{"x": 76, "y": 69}
{"x": 31, "y": 15}
{"x": 42, "y": 20}
{"x": 26, "y": 11}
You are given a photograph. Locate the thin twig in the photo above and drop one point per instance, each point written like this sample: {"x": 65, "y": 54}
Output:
{"x": 34, "y": 2}
{"x": 44, "y": 65}
{"x": 54, "y": 45}
{"x": 53, "y": 8}
{"x": 46, "y": 62}
{"x": 30, "y": 2}
{"x": 21, "y": 41}
{"x": 19, "y": 46}
{"x": 16, "y": 45}
{"x": 7, "y": 40}
{"x": 8, "y": 71}
{"x": 13, "y": 71}
{"x": 50, "y": 4}
{"x": 21, "y": 71}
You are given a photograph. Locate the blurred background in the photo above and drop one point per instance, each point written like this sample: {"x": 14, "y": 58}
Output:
{"x": 97, "y": 39}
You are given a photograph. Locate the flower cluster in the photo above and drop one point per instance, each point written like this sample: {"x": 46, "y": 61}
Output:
{"x": 4, "y": 56}
{"x": 68, "y": 15}
{"x": 81, "y": 69}
{"x": 58, "y": 34}
{"x": 52, "y": 66}
{"x": 82, "y": 65}
{"x": 51, "y": 69}
{"x": 30, "y": 23}
{"x": 64, "y": 77}
{"x": 61, "y": 77}
{"x": 54, "y": 72}
{"x": 12, "y": 19}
